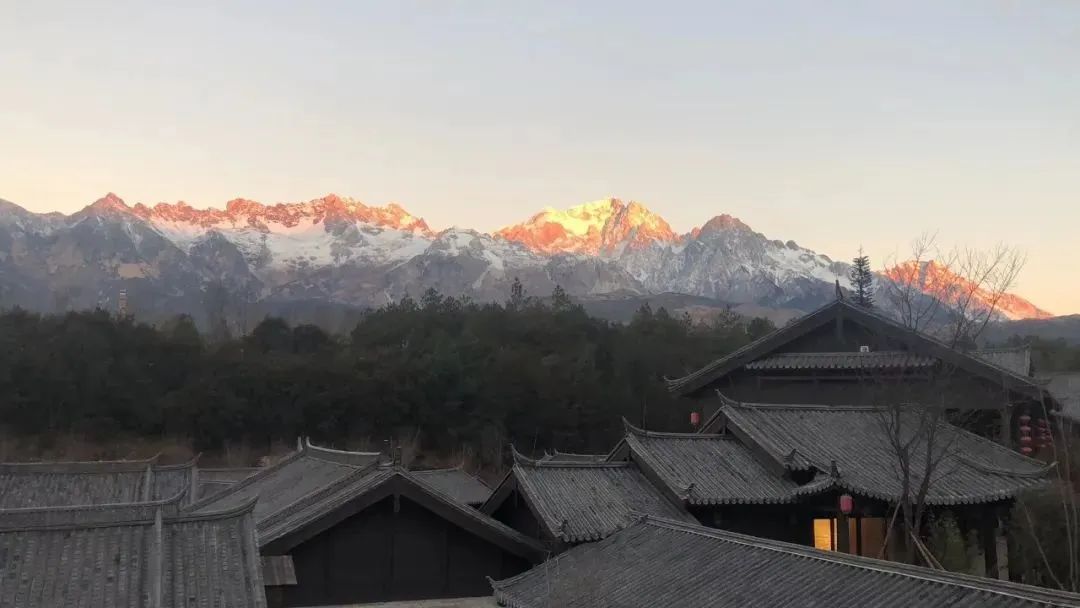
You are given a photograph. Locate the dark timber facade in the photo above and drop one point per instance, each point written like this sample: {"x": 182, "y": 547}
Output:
{"x": 356, "y": 530}
{"x": 842, "y": 354}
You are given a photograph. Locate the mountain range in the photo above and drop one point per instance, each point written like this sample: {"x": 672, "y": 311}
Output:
{"x": 336, "y": 251}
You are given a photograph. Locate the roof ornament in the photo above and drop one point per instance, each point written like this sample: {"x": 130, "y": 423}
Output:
{"x": 520, "y": 458}
{"x": 839, "y": 292}
{"x": 833, "y": 471}
{"x": 690, "y": 489}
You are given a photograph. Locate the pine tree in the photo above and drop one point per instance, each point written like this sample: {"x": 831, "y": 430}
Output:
{"x": 560, "y": 300}
{"x": 517, "y": 295}
{"x": 862, "y": 280}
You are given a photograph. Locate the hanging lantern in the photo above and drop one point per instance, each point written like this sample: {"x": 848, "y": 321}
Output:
{"x": 1025, "y": 429}
{"x": 1024, "y": 419}
{"x": 1025, "y": 450}
{"x": 1025, "y": 439}
{"x": 695, "y": 419}
{"x": 847, "y": 504}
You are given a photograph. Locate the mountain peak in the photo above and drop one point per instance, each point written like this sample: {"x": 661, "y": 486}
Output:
{"x": 593, "y": 228}
{"x": 940, "y": 281}
{"x": 109, "y": 202}
{"x": 722, "y": 222}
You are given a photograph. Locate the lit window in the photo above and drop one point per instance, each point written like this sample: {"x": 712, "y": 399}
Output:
{"x": 825, "y": 534}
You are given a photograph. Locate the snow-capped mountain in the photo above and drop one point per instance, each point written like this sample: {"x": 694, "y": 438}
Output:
{"x": 940, "y": 281}
{"x": 341, "y": 251}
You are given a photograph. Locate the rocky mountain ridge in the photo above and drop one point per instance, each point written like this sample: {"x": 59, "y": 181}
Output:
{"x": 339, "y": 250}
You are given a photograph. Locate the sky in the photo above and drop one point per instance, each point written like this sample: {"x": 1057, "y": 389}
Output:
{"x": 837, "y": 124}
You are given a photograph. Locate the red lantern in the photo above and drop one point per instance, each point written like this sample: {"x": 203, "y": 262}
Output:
{"x": 695, "y": 419}
{"x": 1025, "y": 419}
{"x": 847, "y": 503}
{"x": 1025, "y": 439}
{"x": 1025, "y": 450}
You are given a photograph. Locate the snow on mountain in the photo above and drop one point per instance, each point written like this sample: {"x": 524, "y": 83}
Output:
{"x": 940, "y": 281}
{"x": 598, "y": 228}
{"x": 339, "y": 250}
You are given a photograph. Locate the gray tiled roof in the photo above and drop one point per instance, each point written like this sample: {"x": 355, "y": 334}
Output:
{"x": 302, "y": 473}
{"x": 212, "y": 481}
{"x": 558, "y": 456}
{"x": 1016, "y": 359}
{"x": 54, "y": 484}
{"x": 135, "y": 556}
{"x": 885, "y": 359}
{"x": 1065, "y": 387}
{"x": 586, "y": 501}
{"x": 665, "y": 563}
{"x": 316, "y": 504}
{"x": 921, "y": 343}
{"x": 323, "y": 504}
{"x": 457, "y": 484}
{"x": 706, "y": 469}
{"x": 970, "y": 469}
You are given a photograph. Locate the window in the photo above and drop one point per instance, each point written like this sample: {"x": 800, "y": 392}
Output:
{"x": 825, "y": 534}
{"x": 866, "y": 535}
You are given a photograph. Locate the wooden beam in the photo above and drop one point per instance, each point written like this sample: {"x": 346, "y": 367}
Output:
{"x": 843, "y": 533}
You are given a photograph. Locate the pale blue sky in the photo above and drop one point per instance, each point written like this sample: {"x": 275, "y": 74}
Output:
{"x": 831, "y": 123}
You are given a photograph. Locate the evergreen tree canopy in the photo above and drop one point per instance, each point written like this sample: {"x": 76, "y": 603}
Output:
{"x": 451, "y": 373}
{"x": 862, "y": 280}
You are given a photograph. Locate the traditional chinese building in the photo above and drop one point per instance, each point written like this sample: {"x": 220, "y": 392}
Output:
{"x": 816, "y": 475}
{"x": 63, "y": 484}
{"x": 786, "y": 472}
{"x": 345, "y": 528}
{"x": 137, "y": 555}
{"x": 563, "y": 502}
{"x": 844, "y": 354}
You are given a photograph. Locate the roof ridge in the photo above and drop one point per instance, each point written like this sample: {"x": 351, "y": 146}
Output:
{"x": 990, "y": 585}
{"x": 524, "y": 461}
{"x": 460, "y": 467}
{"x": 74, "y": 466}
{"x": 345, "y": 457}
{"x": 811, "y": 321}
{"x": 269, "y": 527}
{"x": 1002, "y": 349}
{"x": 856, "y": 353}
{"x": 677, "y": 383}
{"x": 247, "y": 481}
{"x": 101, "y": 515}
{"x": 242, "y": 509}
{"x": 557, "y": 452}
{"x": 326, "y": 490}
{"x": 803, "y": 406}
{"x": 181, "y": 465}
{"x": 633, "y": 430}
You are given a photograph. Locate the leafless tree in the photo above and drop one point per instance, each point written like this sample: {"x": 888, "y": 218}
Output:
{"x": 951, "y": 295}
{"x": 1048, "y": 523}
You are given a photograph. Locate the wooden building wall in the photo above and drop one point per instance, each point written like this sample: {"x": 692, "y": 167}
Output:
{"x": 387, "y": 554}
{"x": 516, "y": 514}
{"x": 957, "y": 389}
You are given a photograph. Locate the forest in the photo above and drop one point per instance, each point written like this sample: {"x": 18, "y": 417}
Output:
{"x": 440, "y": 375}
